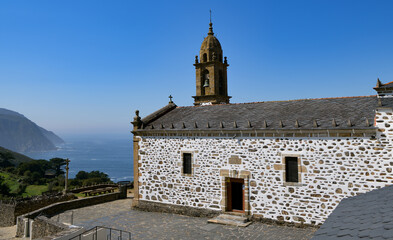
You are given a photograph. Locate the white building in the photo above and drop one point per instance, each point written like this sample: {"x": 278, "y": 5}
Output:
{"x": 291, "y": 161}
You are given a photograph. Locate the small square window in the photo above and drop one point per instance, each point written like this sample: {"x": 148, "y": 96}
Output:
{"x": 291, "y": 169}
{"x": 187, "y": 163}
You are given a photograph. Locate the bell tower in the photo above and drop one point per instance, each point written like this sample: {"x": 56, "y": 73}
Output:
{"x": 211, "y": 72}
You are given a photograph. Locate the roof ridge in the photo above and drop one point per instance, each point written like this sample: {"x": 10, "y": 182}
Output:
{"x": 159, "y": 113}
{"x": 383, "y": 84}
{"x": 293, "y": 100}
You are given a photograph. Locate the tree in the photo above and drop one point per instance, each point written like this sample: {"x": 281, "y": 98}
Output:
{"x": 57, "y": 164}
{"x": 90, "y": 178}
{"x": 5, "y": 159}
{"x": 5, "y": 164}
{"x": 10, "y": 169}
{"x": 82, "y": 175}
{"x": 36, "y": 178}
{"x": 4, "y": 189}
{"x": 6, "y": 156}
{"x": 76, "y": 182}
{"x": 39, "y": 166}
{"x": 97, "y": 174}
{"x": 21, "y": 188}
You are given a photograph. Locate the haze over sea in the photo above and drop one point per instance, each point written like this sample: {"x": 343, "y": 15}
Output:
{"x": 111, "y": 154}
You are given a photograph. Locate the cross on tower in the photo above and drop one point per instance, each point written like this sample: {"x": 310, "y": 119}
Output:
{"x": 170, "y": 99}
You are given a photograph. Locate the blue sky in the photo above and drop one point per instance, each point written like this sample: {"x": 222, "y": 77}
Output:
{"x": 86, "y": 66}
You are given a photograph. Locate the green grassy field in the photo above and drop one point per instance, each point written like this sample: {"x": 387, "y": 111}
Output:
{"x": 12, "y": 182}
{"x": 33, "y": 190}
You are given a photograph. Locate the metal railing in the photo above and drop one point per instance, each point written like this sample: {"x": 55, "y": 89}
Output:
{"x": 103, "y": 233}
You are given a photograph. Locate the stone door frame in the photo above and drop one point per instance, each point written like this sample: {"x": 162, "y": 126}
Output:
{"x": 242, "y": 174}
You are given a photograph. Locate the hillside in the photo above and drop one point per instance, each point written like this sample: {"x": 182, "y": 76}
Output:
{"x": 18, "y": 158}
{"x": 20, "y": 134}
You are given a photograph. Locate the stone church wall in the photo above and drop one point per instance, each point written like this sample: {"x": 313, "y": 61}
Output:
{"x": 330, "y": 170}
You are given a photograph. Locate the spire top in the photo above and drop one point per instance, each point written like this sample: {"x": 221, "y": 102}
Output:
{"x": 211, "y": 24}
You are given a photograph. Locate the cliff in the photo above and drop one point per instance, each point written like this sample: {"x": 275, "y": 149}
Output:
{"x": 20, "y": 134}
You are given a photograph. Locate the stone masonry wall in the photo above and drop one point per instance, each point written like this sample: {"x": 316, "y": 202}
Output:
{"x": 9, "y": 212}
{"x": 330, "y": 169}
{"x": 59, "y": 207}
{"x": 7, "y": 215}
{"x": 42, "y": 227}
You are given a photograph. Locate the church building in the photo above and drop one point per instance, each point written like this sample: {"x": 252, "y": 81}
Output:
{"x": 288, "y": 161}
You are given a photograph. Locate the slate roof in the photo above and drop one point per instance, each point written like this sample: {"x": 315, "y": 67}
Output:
{"x": 347, "y": 112}
{"x": 366, "y": 216}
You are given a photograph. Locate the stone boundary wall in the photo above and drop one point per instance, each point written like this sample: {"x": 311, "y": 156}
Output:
{"x": 81, "y": 189}
{"x": 169, "y": 208}
{"x": 43, "y": 226}
{"x": 330, "y": 169}
{"x": 7, "y": 215}
{"x": 9, "y": 212}
{"x": 56, "y": 208}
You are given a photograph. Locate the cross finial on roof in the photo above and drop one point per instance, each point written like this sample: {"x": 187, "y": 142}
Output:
{"x": 170, "y": 99}
{"x": 210, "y": 15}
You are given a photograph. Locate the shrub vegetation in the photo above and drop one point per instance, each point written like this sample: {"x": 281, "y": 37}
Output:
{"x": 36, "y": 176}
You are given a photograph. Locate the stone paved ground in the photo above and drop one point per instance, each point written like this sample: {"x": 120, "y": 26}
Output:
{"x": 7, "y": 232}
{"x": 151, "y": 225}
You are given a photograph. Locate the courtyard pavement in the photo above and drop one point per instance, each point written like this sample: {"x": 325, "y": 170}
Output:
{"x": 152, "y": 225}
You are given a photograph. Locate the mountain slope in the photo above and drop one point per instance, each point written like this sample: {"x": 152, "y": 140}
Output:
{"x": 19, "y": 134}
{"x": 51, "y": 136}
{"x": 18, "y": 158}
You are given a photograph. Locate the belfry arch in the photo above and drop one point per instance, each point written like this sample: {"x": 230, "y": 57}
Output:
{"x": 211, "y": 72}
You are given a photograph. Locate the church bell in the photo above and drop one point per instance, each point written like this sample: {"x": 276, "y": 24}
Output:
{"x": 206, "y": 83}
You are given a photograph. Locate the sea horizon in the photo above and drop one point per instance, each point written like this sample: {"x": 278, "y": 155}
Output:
{"x": 108, "y": 153}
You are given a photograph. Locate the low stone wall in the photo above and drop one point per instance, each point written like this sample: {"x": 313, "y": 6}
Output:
{"x": 7, "y": 215}
{"x": 168, "y": 208}
{"x": 56, "y": 208}
{"x": 34, "y": 204}
{"x": 43, "y": 226}
{"x": 81, "y": 189}
{"x": 53, "y": 209}
{"x": 20, "y": 226}
{"x": 10, "y": 211}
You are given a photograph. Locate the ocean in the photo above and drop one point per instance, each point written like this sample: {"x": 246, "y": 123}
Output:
{"x": 109, "y": 154}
